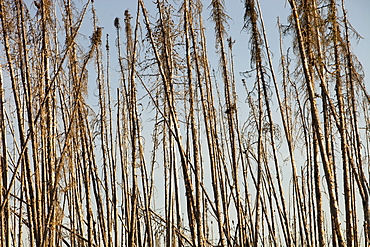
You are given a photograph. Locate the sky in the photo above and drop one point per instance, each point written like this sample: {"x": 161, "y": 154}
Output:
{"x": 358, "y": 15}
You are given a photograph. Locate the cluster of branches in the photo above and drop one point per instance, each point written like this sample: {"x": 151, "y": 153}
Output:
{"x": 204, "y": 171}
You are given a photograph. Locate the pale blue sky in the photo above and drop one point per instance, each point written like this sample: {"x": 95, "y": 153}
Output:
{"x": 358, "y": 15}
